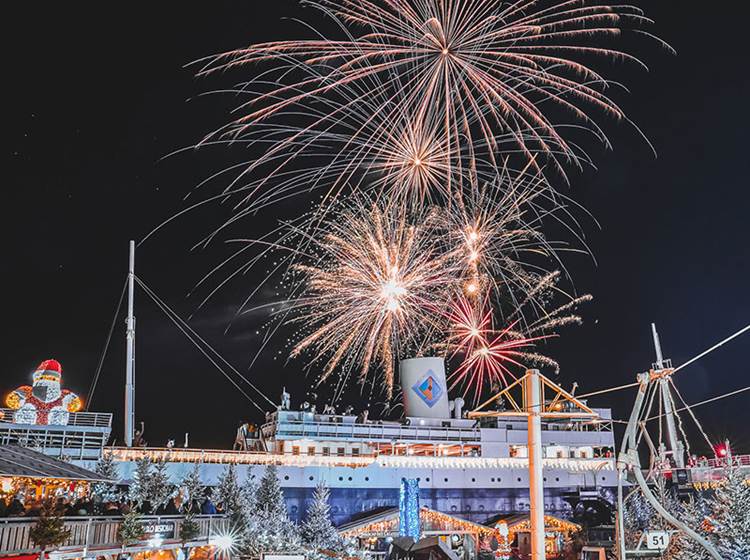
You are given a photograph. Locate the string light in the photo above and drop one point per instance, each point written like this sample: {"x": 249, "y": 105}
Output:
{"x": 127, "y": 454}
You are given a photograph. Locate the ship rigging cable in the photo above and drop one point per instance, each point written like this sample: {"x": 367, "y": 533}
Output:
{"x": 684, "y": 365}
{"x": 92, "y": 388}
{"x": 188, "y": 331}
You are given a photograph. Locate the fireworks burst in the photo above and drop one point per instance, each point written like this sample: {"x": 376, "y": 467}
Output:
{"x": 374, "y": 292}
{"x": 478, "y": 69}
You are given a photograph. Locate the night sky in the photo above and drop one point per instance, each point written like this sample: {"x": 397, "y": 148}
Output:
{"x": 95, "y": 101}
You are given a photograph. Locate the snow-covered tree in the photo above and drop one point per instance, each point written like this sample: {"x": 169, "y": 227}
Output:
{"x": 194, "y": 490}
{"x": 730, "y": 516}
{"x": 138, "y": 491}
{"x": 317, "y": 531}
{"x": 229, "y": 496}
{"x": 270, "y": 529}
{"x": 107, "y": 469}
{"x": 160, "y": 488}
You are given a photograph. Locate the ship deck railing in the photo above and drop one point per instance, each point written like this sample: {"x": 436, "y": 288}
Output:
{"x": 389, "y": 432}
{"x": 99, "y": 536}
{"x": 83, "y": 437}
{"x": 370, "y": 431}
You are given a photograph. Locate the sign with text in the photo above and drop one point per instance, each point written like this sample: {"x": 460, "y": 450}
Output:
{"x": 657, "y": 540}
{"x": 158, "y": 530}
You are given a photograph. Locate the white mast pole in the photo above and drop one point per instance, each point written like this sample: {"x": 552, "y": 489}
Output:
{"x": 675, "y": 445}
{"x": 536, "y": 485}
{"x": 130, "y": 354}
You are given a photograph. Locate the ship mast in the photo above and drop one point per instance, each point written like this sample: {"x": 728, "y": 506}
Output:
{"x": 130, "y": 354}
{"x": 676, "y": 447}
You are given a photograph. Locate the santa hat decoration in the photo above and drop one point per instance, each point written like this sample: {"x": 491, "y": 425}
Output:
{"x": 49, "y": 369}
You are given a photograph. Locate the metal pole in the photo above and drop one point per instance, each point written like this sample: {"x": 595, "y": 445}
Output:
{"x": 130, "y": 354}
{"x": 628, "y": 439}
{"x": 675, "y": 445}
{"x": 536, "y": 485}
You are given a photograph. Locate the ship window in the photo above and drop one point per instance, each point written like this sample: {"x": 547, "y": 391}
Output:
{"x": 557, "y": 479}
{"x": 491, "y": 480}
{"x": 499, "y": 479}
{"x": 311, "y": 450}
{"x": 509, "y": 426}
{"x": 341, "y": 451}
{"x": 355, "y": 451}
{"x": 445, "y": 479}
{"x": 427, "y": 479}
{"x": 311, "y": 478}
{"x": 326, "y": 451}
{"x": 350, "y": 479}
{"x": 341, "y": 478}
{"x": 473, "y": 479}
{"x": 519, "y": 479}
{"x": 295, "y": 450}
{"x": 286, "y": 477}
{"x": 367, "y": 478}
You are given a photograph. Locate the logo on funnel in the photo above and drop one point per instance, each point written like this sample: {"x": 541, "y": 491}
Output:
{"x": 428, "y": 389}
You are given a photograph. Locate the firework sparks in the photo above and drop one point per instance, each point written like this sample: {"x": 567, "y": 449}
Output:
{"x": 487, "y": 68}
{"x": 374, "y": 290}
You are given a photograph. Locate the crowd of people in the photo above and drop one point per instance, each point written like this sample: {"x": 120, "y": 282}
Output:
{"x": 18, "y": 506}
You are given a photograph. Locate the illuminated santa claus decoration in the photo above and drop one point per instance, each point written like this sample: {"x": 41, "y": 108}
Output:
{"x": 45, "y": 402}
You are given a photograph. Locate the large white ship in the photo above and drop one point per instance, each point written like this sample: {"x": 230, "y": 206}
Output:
{"x": 473, "y": 468}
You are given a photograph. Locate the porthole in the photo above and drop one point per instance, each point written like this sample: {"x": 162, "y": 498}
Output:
{"x": 445, "y": 480}
{"x": 286, "y": 477}
{"x": 350, "y": 479}
{"x": 294, "y": 509}
{"x": 311, "y": 478}
{"x": 557, "y": 479}
{"x": 454, "y": 508}
{"x": 341, "y": 478}
{"x": 427, "y": 479}
{"x": 367, "y": 478}
{"x": 519, "y": 479}
{"x": 492, "y": 480}
{"x": 481, "y": 507}
{"x": 473, "y": 479}
{"x": 544, "y": 479}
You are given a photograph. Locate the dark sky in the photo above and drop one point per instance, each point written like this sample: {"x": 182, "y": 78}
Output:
{"x": 95, "y": 100}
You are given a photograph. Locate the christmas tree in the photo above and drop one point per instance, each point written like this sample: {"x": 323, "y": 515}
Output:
{"x": 730, "y": 516}
{"x": 317, "y": 531}
{"x": 131, "y": 528}
{"x": 160, "y": 488}
{"x": 270, "y": 529}
{"x": 106, "y": 491}
{"x": 195, "y": 491}
{"x": 138, "y": 491}
{"x": 230, "y": 498}
{"x": 49, "y": 530}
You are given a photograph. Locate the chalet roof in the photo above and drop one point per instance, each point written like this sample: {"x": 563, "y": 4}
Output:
{"x": 27, "y": 463}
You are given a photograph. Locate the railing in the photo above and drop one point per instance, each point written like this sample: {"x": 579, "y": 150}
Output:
{"x": 369, "y": 431}
{"x": 100, "y": 533}
{"x": 82, "y": 438}
{"x": 85, "y": 419}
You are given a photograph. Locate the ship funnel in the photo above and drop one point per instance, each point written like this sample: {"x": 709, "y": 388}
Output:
{"x": 424, "y": 388}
